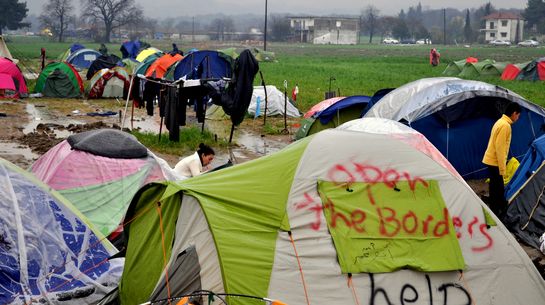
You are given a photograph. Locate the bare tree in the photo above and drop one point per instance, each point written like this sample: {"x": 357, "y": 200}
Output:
{"x": 56, "y": 16}
{"x": 221, "y": 26}
{"x": 113, "y": 13}
{"x": 370, "y": 20}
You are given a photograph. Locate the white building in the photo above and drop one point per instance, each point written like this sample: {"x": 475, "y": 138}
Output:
{"x": 504, "y": 26}
{"x": 326, "y": 30}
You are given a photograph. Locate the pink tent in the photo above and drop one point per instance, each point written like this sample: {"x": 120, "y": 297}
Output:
{"x": 10, "y": 69}
{"x": 322, "y": 105}
{"x": 6, "y": 82}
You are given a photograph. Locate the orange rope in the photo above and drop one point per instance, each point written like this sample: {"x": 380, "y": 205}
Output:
{"x": 164, "y": 249}
{"x": 351, "y": 284}
{"x": 300, "y": 267}
{"x": 467, "y": 287}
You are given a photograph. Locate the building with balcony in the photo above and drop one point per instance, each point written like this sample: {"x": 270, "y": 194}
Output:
{"x": 325, "y": 30}
{"x": 504, "y": 26}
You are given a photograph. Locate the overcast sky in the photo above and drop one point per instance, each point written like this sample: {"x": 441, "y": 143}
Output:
{"x": 173, "y": 8}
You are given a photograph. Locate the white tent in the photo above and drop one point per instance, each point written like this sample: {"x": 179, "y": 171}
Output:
{"x": 4, "y": 51}
{"x": 275, "y": 103}
{"x": 353, "y": 215}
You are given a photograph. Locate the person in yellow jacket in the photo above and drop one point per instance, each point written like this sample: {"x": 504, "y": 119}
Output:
{"x": 495, "y": 156}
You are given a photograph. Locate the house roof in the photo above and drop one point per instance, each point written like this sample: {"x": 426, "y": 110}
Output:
{"x": 504, "y": 15}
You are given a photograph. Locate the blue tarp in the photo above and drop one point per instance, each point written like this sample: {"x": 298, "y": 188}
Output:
{"x": 329, "y": 113}
{"x": 47, "y": 252}
{"x": 203, "y": 64}
{"x": 528, "y": 165}
{"x": 130, "y": 49}
{"x": 76, "y": 47}
{"x": 83, "y": 58}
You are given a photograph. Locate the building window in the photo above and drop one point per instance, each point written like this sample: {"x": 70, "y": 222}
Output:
{"x": 492, "y": 35}
{"x": 491, "y": 25}
{"x": 504, "y": 23}
{"x": 503, "y": 34}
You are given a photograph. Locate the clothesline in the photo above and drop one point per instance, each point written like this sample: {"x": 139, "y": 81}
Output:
{"x": 184, "y": 82}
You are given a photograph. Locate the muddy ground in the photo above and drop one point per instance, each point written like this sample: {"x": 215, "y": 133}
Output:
{"x": 31, "y": 127}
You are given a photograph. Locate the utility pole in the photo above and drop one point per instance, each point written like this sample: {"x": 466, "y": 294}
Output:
{"x": 444, "y": 26}
{"x": 193, "y": 30}
{"x": 265, "y": 32}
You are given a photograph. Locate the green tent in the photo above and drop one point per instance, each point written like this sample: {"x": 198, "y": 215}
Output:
{"x": 339, "y": 215}
{"x": 59, "y": 84}
{"x": 261, "y": 55}
{"x": 493, "y": 69}
{"x": 454, "y": 68}
{"x": 473, "y": 70}
{"x": 66, "y": 68}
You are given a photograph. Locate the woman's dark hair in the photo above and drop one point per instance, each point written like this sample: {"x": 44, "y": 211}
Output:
{"x": 205, "y": 150}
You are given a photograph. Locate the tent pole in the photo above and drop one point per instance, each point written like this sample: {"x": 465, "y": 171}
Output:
{"x": 285, "y": 131}
{"x": 127, "y": 103}
{"x": 266, "y": 99}
{"x": 160, "y": 129}
{"x": 232, "y": 131}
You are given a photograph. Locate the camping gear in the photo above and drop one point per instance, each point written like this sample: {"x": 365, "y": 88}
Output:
{"x": 454, "y": 67}
{"x": 338, "y": 218}
{"x": 159, "y": 67}
{"x": 102, "y": 62}
{"x": 203, "y": 64}
{"x": 342, "y": 111}
{"x": 130, "y": 49}
{"x": 275, "y": 102}
{"x": 147, "y": 52}
{"x": 99, "y": 171}
{"x": 50, "y": 252}
{"x": 473, "y": 70}
{"x": 83, "y": 58}
{"x": 58, "y": 84}
{"x": 109, "y": 83}
{"x": 529, "y": 165}
{"x": 457, "y": 115}
{"x": 68, "y": 70}
{"x": 512, "y": 70}
{"x": 533, "y": 71}
{"x": 12, "y": 82}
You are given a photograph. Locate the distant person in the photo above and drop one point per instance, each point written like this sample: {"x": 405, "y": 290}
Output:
{"x": 175, "y": 50}
{"x": 294, "y": 93}
{"x": 103, "y": 49}
{"x": 434, "y": 57}
{"x": 42, "y": 58}
{"x": 495, "y": 156}
{"x": 197, "y": 163}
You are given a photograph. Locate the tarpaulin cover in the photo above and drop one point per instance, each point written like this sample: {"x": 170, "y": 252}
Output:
{"x": 321, "y": 106}
{"x": 108, "y": 143}
{"x": 49, "y": 252}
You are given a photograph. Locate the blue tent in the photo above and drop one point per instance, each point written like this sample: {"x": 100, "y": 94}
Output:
{"x": 130, "y": 49}
{"x": 49, "y": 253}
{"x": 457, "y": 116}
{"x": 528, "y": 166}
{"x": 76, "y": 47}
{"x": 83, "y": 58}
{"x": 204, "y": 64}
{"x": 326, "y": 115}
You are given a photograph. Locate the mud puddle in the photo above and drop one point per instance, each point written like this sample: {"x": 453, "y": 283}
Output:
{"x": 18, "y": 154}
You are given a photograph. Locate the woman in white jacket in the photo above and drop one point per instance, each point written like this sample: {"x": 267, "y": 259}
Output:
{"x": 195, "y": 164}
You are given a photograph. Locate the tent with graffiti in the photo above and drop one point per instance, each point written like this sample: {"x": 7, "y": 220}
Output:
{"x": 83, "y": 58}
{"x": 525, "y": 216}
{"x": 109, "y": 83}
{"x": 276, "y": 100}
{"x": 12, "y": 82}
{"x": 457, "y": 115}
{"x": 360, "y": 214}
{"x": 61, "y": 80}
{"x": 50, "y": 253}
{"x": 99, "y": 171}
{"x": 335, "y": 114}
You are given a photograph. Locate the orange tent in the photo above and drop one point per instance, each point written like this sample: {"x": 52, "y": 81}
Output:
{"x": 161, "y": 65}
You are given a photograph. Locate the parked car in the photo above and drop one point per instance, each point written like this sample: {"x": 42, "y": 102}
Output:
{"x": 499, "y": 42}
{"x": 423, "y": 41}
{"x": 408, "y": 41}
{"x": 528, "y": 43}
{"x": 390, "y": 41}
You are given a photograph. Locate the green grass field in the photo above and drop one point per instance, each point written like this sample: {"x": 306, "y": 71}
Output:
{"x": 357, "y": 69}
